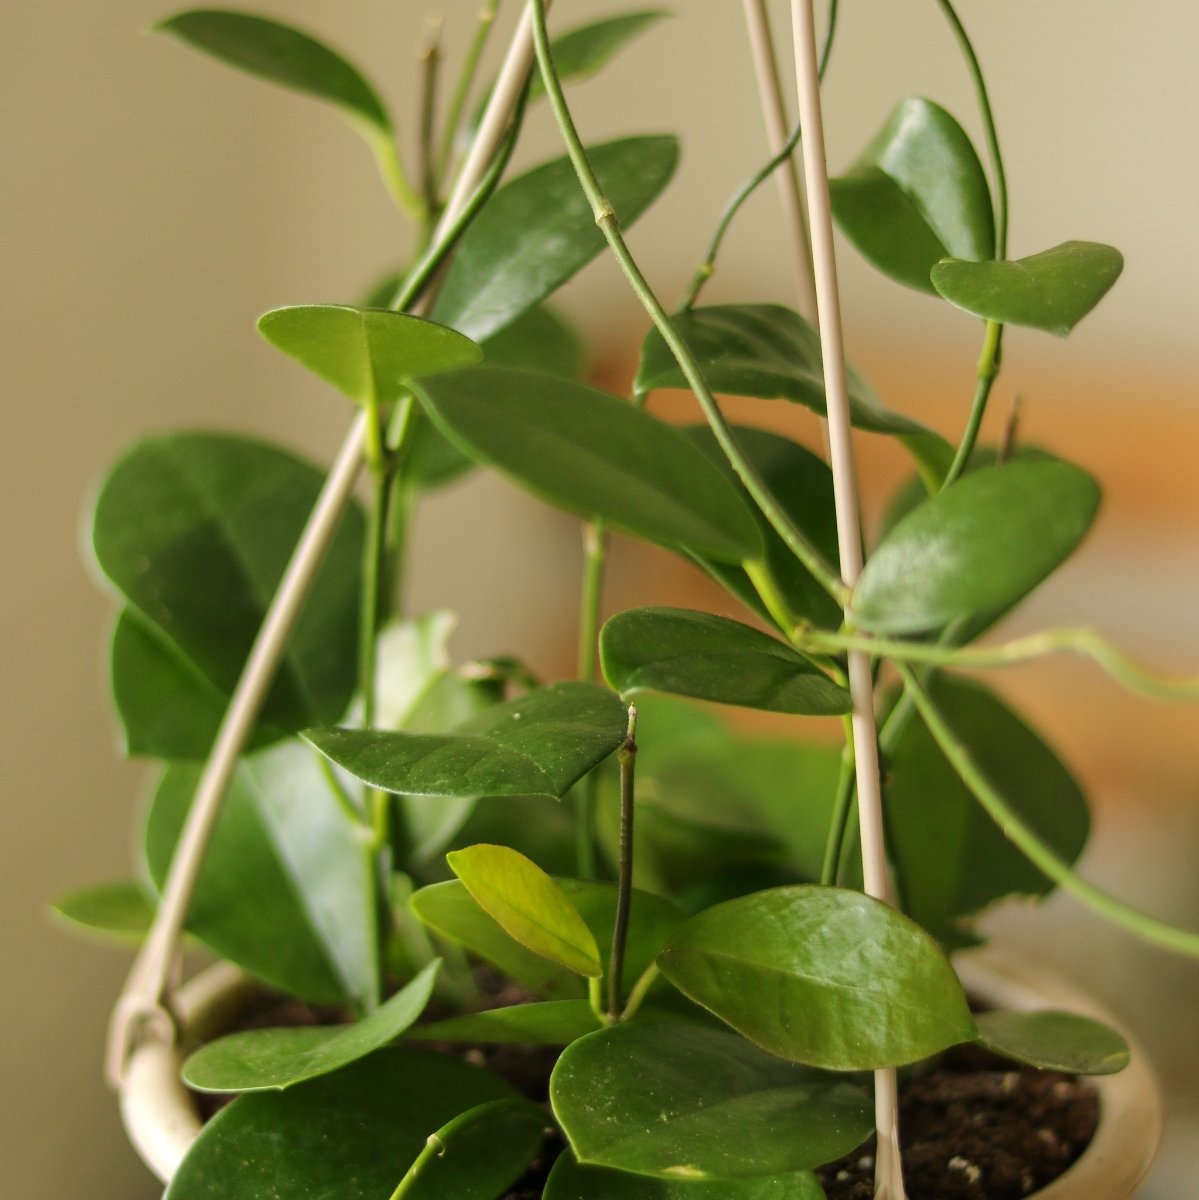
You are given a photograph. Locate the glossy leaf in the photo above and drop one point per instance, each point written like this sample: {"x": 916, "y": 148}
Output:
{"x": 761, "y": 350}
{"x": 287, "y": 889}
{"x": 477, "y": 1154}
{"x": 256, "y": 1060}
{"x": 450, "y": 909}
{"x": 368, "y": 354}
{"x": 595, "y": 455}
{"x": 952, "y": 860}
{"x": 916, "y": 194}
{"x": 546, "y": 1023}
{"x": 873, "y": 988}
{"x": 538, "y": 340}
{"x": 802, "y": 485}
{"x": 977, "y": 548}
{"x": 538, "y": 745}
{"x": 581, "y": 52}
{"x": 538, "y": 231}
{"x": 346, "y": 1136}
{"x": 685, "y": 1102}
{"x": 1054, "y": 1041}
{"x": 166, "y": 707}
{"x": 712, "y": 658}
{"x": 118, "y": 911}
{"x": 195, "y": 531}
{"x": 283, "y": 55}
{"x": 528, "y": 905}
{"x": 570, "y": 1181}
{"x": 1052, "y": 290}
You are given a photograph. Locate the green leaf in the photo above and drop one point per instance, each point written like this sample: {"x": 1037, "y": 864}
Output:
{"x": 538, "y": 340}
{"x": 713, "y": 658}
{"x": 916, "y": 194}
{"x": 538, "y": 745}
{"x": 595, "y": 455}
{"x": 1054, "y": 1041}
{"x": 195, "y": 531}
{"x": 538, "y": 231}
{"x": 582, "y": 52}
{"x": 545, "y": 1023}
{"x": 952, "y": 860}
{"x": 368, "y": 354}
{"x": 802, "y": 485}
{"x": 118, "y": 911}
{"x": 761, "y": 350}
{"x": 685, "y": 1102}
{"x": 287, "y": 889}
{"x": 874, "y": 989}
{"x": 569, "y": 1181}
{"x": 974, "y": 550}
{"x": 283, "y": 55}
{"x": 1052, "y": 290}
{"x": 257, "y": 1060}
{"x": 477, "y": 1155}
{"x": 345, "y": 1136}
{"x": 166, "y": 707}
{"x": 528, "y": 905}
{"x": 450, "y": 909}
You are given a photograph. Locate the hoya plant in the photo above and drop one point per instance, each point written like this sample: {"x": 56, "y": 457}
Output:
{"x": 723, "y": 968}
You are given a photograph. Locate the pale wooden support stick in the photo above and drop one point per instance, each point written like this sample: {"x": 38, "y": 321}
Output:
{"x": 888, "y": 1173}
{"x": 142, "y": 1009}
{"x": 774, "y": 114}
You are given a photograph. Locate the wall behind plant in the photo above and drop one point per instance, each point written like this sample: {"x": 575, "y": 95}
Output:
{"x": 153, "y": 204}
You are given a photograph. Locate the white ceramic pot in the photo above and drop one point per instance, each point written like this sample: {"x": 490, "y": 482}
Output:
{"x": 162, "y": 1122}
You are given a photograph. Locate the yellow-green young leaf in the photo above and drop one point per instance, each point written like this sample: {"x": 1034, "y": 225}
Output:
{"x": 1054, "y": 1041}
{"x": 528, "y": 905}
{"x": 368, "y": 354}
{"x": 1052, "y": 290}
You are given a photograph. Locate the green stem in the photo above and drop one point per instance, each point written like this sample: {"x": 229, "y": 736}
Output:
{"x": 605, "y": 218}
{"x": 988, "y": 370}
{"x": 466, "y": 78}
{"x": 430, "y": 65}
{"x": 639, "y": 991}
{"x": 373, "y": 571}
{"x": 391, "y": 171}
{"x": 988, "y": 119}
{"x": 1083, "y": 642}
{"x": 842, "y": 807}
{"x": 595, "y": 553}
{"x": 627, "y": 758}
{"x": 595, "y": 997}
{"x": 826, "y": 51}
{"x": 349, "y": 807}
{"x": 1144, "y": 926}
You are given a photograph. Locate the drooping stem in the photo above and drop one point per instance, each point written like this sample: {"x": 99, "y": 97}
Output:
{"x": 626, "y": 756}
{"x": 606, "y": 219}
{"x": 1144, "y": 926}
{"x": 888, "y": 1167}
{"x": 985, "y": 376}
{"x": 639, "y": 991}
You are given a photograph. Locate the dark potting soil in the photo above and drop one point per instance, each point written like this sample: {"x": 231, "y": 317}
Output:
{"x": 974, "y": 1126}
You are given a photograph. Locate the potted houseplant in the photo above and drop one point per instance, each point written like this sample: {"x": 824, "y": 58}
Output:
{"x": 723, "y": 970}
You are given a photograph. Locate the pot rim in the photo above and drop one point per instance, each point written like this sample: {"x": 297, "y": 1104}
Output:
{"x": 162, "y": 1122}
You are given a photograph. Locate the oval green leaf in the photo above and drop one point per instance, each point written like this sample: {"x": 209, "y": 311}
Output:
{"x": 977, "y": 548}
{"x": 570, "y": 1181}
{"x": 345, "y": 1136}
{"x": 368, "y": 354}
{"x": 257, "y": 1060}
{"x": 195, "y": 531}
{"x": 823, "y": 976}
{"x": 712, "y": 658}
{"x": 478, "y": 1154}
{"x": 916, "y": 194}
{"x": 118, "y": 911}
{"x": 538, "y": 745}
{"x": 538, "y": 231}
{"x": 689, "y": 1103}
{"x": 287, "y": 889}
{"x": 528, "y": 905}
{"x": 595, "y": 455}
{"x": 1051, "y": 291}
{"x": 545, "y": 1023}
{"x": 281, "y": 54}
{"x": 1054, "y": 1041}
{"x": 952, "y": 860}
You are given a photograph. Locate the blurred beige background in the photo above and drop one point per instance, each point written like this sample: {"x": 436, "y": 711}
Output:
{"x": 154, "y": 204}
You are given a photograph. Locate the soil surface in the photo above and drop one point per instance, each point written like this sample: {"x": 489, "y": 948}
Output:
{"x": 974, "y": 1126}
